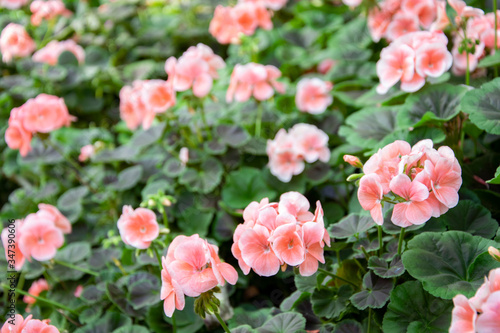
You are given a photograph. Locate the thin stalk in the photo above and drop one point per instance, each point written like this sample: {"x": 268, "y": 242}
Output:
{"x": 20, "y": 284}
{"x": 165, "y": 217}
{"x": 400, "y": 243}
{"x": 324, "y": 271}
{"x": 157, "y": 256}
{"x": 204, "y": 119}
{"x": 467, "y": 70}
{"x": 367, "y": 256}
{"x": 174, "y": 324}
{"x": 222, "y": 323}
{"x": 369, "y": 319}
{"x": 42, "y": 299}
{"x": 380, "y": 243}
{"x": 258, "y": 120}
{"x": 81, "y": 269}
{"x": 495, "y": 68}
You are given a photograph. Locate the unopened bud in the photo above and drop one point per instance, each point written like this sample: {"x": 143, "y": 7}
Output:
{"x": 151, "y": 203}
{"x": 355, "y": 176}
{"x": 353, "y": 160}
{"x": 166, "y": 202}
{"x": 495, "y": 253}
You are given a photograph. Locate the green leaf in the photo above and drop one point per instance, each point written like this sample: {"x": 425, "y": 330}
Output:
{"x": 351, "y": 225}
{"x": 294, "y": 300}
{"x": 40, "y": 154}
{"x": 90, "y": 315}
{"x": 246, "y": 316}
{"x": 74, "y": 252}
{"x": 490, "y": 61}
{"x": 145, "y": 292}
{"x": 140, "y": 70}
{"x": 348, "y": 326}
{"x": 385, "y": 270}
{"x": 232, "y": 135}
{"x": 306, "y": 284}
{"x": 284, "y": 323}
{"x": 331, "y": 303}
{"x": 206, "y": 179}
{"x": 496, "y": 179}
{"x": 144, "y": 138}
{"x": 127, "y": 178}
{"x": 67, "y": 58}
{"x": 410, "y": 305}
{"x": 444, "y": 262}
{"x": 215, "y": 147}
{"x": 470, "y": 217}
{"x": 376, "y": 293}
{"x": 244, "y": 186}
{"x": 203, "y": 220}
{"x": 366, "y": 127}
{"x": 436, "y": 103}
{"x": 483, "y": 106}
{"x": 108, "y": 323}
{"x": 173, "y": 167}
{"x": 132, "y": 329}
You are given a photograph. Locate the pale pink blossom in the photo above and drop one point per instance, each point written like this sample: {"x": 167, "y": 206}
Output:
{"x": 13, "y": 254}
{"x": 138, "y": 228}
{"x": 415, "y": 210}
{"x": 53, "y": 214}
{"x": 313, "y": 95}
{"x": 51, "y": 52}
{"x": 463, "y": 316}
{"x": 47, "y": 10}
{"x": 310, "y": 142}
{"x": 171, "y": 292}
{"x": 432, "y": 60}
{"x": 36, "y": 288}
{"x": 353, "y": 160}
{"x": 78, "y": 291}
{"x": 39, "y": 326}
{"x": 370, "y": 194}
{"x": 401, "y": 24}
{"x": 159, "y": 95}
{"x": 44, "y": 114}
{"x": 16, "y": 135}
{"x": 271, "y": 4}
{"x": 15, "y": 42}
{"x": 224, "y": 26}
{"x": 352, "y": 3}
{"x": 12, "y": 4}
{"x": 184, "y": 155}
{"x": 326, "y": 65}
{"x": 17, "y": 326}
{"x": 40, "y": 238}
{"x": 396, "y": 63}
{"x": 86, "y": 152}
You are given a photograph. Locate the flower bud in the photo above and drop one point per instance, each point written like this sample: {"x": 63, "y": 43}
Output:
{"x": 353, "y": 160}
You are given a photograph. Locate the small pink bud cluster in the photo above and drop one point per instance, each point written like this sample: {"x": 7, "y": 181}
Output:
{"x": 138, "y": 228}
{"x": 411, "y": 58}
{"x": 480, "y": 313}
{"x": 229, "y": 23}
{"x": 281, "y": 233}
{"x": 38, "y": 236}
{"x": 288, "y": 151}
{"x": 255, "y": 80}
{"x": 28, "y": 325}
{"x": 42, "y": 114}
{"x": 196, "y": 69}
{"x": 192, "y": 266}
{"x": 423, "y": 182}
{"x": 140, "y": 102}
{"x": 51, "y": 52}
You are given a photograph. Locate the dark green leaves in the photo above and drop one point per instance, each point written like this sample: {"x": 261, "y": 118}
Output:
{"x": 204, "y": 180}
{"x": 331, "y": 303}
{"x": 412, "y": 309}
{"x": 244, "y": 186}
{"x": 483, "y": 106}
{"x": 128, "y": 178}
{"x": 445, "y": 262}
{"x": 284, "y": 323}
{"x": 351, "y": 225}
{"x": 375, "y": 294}
{"x": 384, "y": 269}
{"x": 496, "y": 179}
{"x": 233, "y": 135}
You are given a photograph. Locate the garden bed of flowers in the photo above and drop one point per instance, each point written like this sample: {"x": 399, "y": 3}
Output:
{"x": 251, "y": 166}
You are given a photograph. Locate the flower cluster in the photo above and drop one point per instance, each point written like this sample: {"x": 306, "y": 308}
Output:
{"x": 254, "y": 80}
{"x": 420, "y": 180}
{"x": 196, "y": 69}
{"x": 51, "y": 52}
{"x": 140, "y": 102}
{"x": 391, "y": 19}
{"x": 288, "y": 151}
{"x": 313, "y": 95}
{"x": 36, "y": 288}
{"x": 411, "y": 58}
{"x": 47, "y": 10}
{"x": 278, "y": 234}
{"x": 28, "y": 325}
{"x": 229, "y": 23}
{"x": 12, "y": 4}
{"x": 138, "y": 228}
{"x": 481, "y": 312}
{"x": 192, "y": 266}
{"x": 15, "y": 42}
{"x": 38, "y": 236}
{"x": 42, "y": 114}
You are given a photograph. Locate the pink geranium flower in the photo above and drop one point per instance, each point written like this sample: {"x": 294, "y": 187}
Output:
{"x": 224, "y": 26}
{"x": 51, "y": 52}
{"x": 16, "y": 135}
{"x": 415, "y": 210}
{"x": 44, "y": 114}
{"x": 313, "y": 95}
{"x": 15, "y": 42}
{"x": 17, "y": 327}
{"x": 401, "y": 24}
{"x": 12, "y": 4}
{"x": 171, "y": 292}
{"x": 432, "y": 60}
{"x": 463, "y": 316}
{"x": 50, "y": 212}
{"x": 47, "y": 10}
{"x": 138, "y": 228}
{"x": 311, "y": 143}
{"x": 15, "y": 253}
{"x": 295, "y": 204}
{"x": 36, "y": 289}
{"x": 396, "y": 63}
{"x": 326, "y": 65}
{"x": 38, "y": 326}
{"x": 288, "y": 244}
{"x": 370, "y": 194}
{"x": 257, "y": 251}
{"x": 40, "y": 238}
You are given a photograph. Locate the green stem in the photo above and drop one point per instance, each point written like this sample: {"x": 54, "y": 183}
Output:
{"x": 81, "y": 269}
{"x": 157, "y": 256}
{"x": 380, "y": 243}
{"x": 204, "y": 119}
{"x": 258, "y": 120}
{"x": 165, "y": 218}
{"x": 324, "y": 271}
{"x": 367, "y": 256}
{"x": 222, "y": 323}
{"x": 20, "y": 284}
{"x": 467, "y": 71}
{"x": 174, "y": 324}
{"x": 400, "y": 243}
{"x": 369, "y": 319}
{"x": 42, "y": 299}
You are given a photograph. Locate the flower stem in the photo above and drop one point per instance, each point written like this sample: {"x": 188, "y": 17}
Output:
{"x": 324, "y": 271}
{"x": 258, "y": 120}
{"x": 369, "y": 319}
{"x": 400, "y": 243}
{"x": 81, "y": 269}
{"x": 380, "y": 243}
{"x": 42, "y": 299}
{"x": 204, "y": 119}
{"x": 174, "y": 324}
{"x": 495, "y": 68}
{"x": 467, "y": 70}
{"x": 157, "y": 256}
{"x": 222, "y": 323}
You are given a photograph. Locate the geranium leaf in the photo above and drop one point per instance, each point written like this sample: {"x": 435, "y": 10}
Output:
{"x": 284, "y": 323}
{"x": 375, "y": 294}
{"x": 384, "y": 269}
{"x": 483, "y": 106}
{"x": 351, "y": 225}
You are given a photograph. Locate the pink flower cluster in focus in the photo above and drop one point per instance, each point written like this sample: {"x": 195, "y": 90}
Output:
{"x": 196, "y": 69}
{"x": 138, "y": 228}
{"x": 480, "y": 313}
{"x": 288, "y": 151}
{"x": 140, "y": 102}
{"x": 424, "y": 181}
{"x": 15, "y": 42}
{"x": 38, "y": 236}
{"x": 192, "y": 266}
{"x": 254, "y": 80}
{"x": 51, "y": 52}
{"x": 313, "y": 95}
{"x": 28, "y": 325}
{"x": 42, "y": 114}
{"x": 280, "y": 233}
{"x": 47, "y": 10}
{"x": 411, "y": 58}
{"x": 229, "y": 23}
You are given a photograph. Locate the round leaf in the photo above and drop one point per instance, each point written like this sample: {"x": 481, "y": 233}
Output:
{"x": 385, "y": 270}
{"x": 284, "y": 323}
{"x": 483, "y": 106}
{"x": 376, "y": 293}
{"x": 351, "y": 225}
